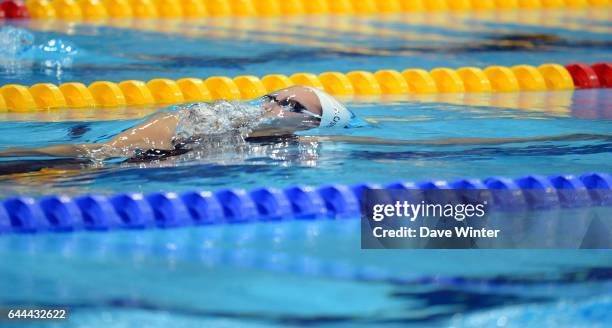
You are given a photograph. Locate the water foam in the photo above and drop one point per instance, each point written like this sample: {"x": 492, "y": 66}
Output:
{"x": 14, "y": 41}
{"x": 21, "y": 53}
{"x": 215, "y": 120}
{"x": 208, "y": 128}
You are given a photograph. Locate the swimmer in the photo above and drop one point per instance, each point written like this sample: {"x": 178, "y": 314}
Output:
{"x": 279, "y": 114}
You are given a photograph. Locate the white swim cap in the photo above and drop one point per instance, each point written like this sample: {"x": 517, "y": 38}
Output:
{"x": 333, "y": 113}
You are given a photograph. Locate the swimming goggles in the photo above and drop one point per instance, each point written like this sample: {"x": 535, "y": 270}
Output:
{"x": 290, "y": 105}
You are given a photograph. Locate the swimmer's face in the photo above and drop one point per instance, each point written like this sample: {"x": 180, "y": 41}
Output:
{"x": 292, "y": 109}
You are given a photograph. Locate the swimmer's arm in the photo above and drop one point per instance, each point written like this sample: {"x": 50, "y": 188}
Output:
{"x": 70, "y": 150}
{"x": 156, "y": 132}
{"x": 455, "y": 141}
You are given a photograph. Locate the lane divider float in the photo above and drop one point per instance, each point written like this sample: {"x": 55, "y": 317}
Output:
{"x": 11, "y": 9}
{"x": 160, "y": 91}
{"x": 59, "y": 213}
{"x": 587, "y": 104}
{"x": 101, "y": 9}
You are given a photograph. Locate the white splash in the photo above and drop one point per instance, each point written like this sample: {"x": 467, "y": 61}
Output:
{"x": 201, "y": 120}
{"x": 209, "y": 128}
{"x": 14, "y": 41}
{"x": 21, "y": 53}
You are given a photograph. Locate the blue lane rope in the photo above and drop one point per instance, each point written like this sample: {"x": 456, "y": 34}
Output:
{"x": 167, "y": 210}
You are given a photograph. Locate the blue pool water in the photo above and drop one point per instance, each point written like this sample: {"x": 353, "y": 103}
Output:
{"x": 309, "y": 273}
{"x": 318, "y": 163}
{"x": 298, "y": 272}
{"x": 225, "y": 46}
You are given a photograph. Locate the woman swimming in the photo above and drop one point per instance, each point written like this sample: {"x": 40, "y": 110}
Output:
{"x": 174, "y": 130}
{"x": 180, "y": 128}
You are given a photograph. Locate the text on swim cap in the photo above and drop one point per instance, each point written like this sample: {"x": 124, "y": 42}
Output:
{"x": 336, "y": 117}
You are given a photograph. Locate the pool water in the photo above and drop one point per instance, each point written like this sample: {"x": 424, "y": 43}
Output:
{"x": 147, "y": 49}
{"x": 298, "y": 273}
{"x": 318, "y": 163}
{"x": 308, "y": 272}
